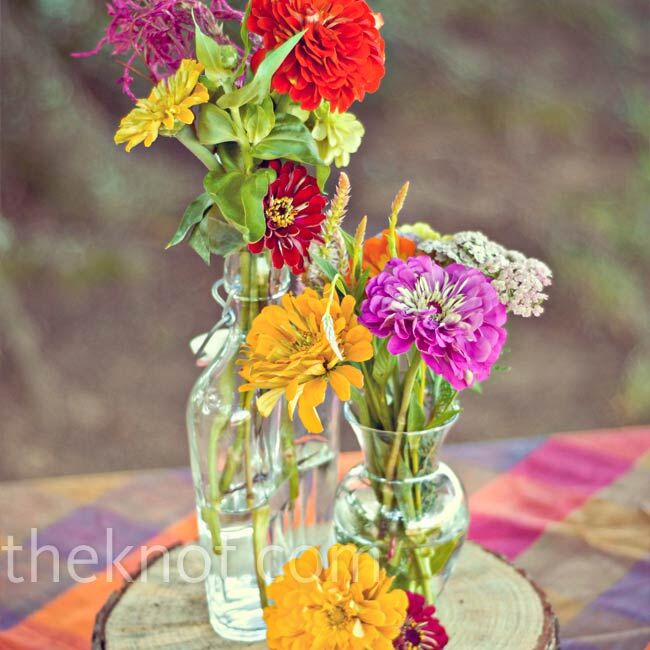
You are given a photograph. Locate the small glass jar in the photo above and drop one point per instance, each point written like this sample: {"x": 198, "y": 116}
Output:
{"x": 404, "y": 506}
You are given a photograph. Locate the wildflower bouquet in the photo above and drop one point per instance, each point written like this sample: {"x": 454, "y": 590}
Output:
{"x": 397, "y": 324}
{"x": 404, "y": 323}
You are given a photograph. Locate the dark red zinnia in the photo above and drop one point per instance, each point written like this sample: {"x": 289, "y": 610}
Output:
{"x": 421, "y": 628}
{"x": 294, "y": 209}
{"x": 340, "y": 58}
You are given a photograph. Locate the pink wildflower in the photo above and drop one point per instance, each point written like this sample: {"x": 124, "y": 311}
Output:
{"x": 160, "y": 32}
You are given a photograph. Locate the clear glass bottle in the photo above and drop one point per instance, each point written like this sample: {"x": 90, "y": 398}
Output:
{"x": 307, "y": 512}
{"x": 236, "y": 459}
{"x": 413, "y": 521}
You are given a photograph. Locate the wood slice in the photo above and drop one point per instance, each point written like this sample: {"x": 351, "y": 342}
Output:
{"x": 487, "y": 605}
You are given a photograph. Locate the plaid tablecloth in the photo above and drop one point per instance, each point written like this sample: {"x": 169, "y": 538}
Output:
{"x": 571, "y": 509}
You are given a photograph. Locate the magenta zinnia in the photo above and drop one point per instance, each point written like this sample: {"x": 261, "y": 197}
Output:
{"x": 161, "y": 32}
{"x": 453, "y": 316}
{"x": 295, "y": 210}
{"x": 421, "y": 629}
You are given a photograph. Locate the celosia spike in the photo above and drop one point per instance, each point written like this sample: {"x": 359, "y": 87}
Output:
{"x": 359, "y": 238}
{"x": 337, "y": 210}
{"x": 332, "y": 247}
{"x": 396, "y": 208}
{"x": 400, "y": 199}
{"x": 339, "y": 205}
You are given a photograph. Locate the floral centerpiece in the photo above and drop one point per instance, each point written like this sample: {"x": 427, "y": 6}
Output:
{"x": 406, "y": 321}
{"x": 396, "y": 325}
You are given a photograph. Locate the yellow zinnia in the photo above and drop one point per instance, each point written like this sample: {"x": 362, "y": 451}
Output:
{"x": 289, "y": 352}
{"x": 346, "y": 606}
{"x": 167, "y": 109}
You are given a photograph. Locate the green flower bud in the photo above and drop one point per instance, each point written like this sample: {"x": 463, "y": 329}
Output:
{"x": 337, "y": 135}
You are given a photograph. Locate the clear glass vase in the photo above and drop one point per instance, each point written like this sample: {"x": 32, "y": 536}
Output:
{"x": 308, "y": 495}
{"x": 404, "y": 506}
{"x": 236, "y": 459}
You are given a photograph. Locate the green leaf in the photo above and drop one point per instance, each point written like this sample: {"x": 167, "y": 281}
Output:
{"x": 383, "y": 361}
{"x": 226, "y": 193}
{"x": 214, "y": 236}
{"x": 212, "y": 87}
{"x": 360, "y": 291}
{"x": 219, "y": 60}
{"x": 322, "y": 174}
{"x": 253, "y": 191}
{"x": 416, "y": 419}
{"x": 289, "y": 139}
{"x": 192, "y": 215}
{"x": 441, "y": 555}
{"x": 259, "y": 120}
{"x": 199, "y": 242}
{"x": 230, "y": 156}
{"x": 349, "y": 243}
{"x": 223, "y": 238}
{"x": 445, "y": 402}
{"x": 330, "y": 273}
{"x": 215, "y": 126}
{"x": 240, "y": 199}
{"x": 325, "y": 266}
{"x": 260, "y": 86}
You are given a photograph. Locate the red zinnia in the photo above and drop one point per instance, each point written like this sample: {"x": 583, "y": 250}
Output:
{"x": 421, "y": 629}
{"x": 294, "y": 209}
{"x": 340, "y": 58}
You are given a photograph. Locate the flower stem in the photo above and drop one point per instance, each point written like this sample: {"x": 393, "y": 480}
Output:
{"x": 188, "y": 138}
{"x": 261, "y": 519}
{"x": 210, "y": 512}
{"x": 426, "y": 576}
{"x": 391, "y": 465}
{"x": 289, "y": 457}
{"x": 243, "y": 139}
{"x": 380, "y": 414}
{"x": 409, "y": 383}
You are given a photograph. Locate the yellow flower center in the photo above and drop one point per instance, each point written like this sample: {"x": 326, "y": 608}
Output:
{"x": 281, "y": 211}
{"x": 304, "y": 342}
{"x": 338, "y": 617}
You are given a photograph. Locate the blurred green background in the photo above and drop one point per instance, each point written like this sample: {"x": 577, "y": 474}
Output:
{"x": 527, "y": 119}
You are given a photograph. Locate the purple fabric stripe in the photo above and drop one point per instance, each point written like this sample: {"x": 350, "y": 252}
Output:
{"x": 158, "y": 497}
{"x": 87, "y": 525}
{"x": 630, "y": 596}
{"x": 580, "y": 645}
{"x": 9, "y": 618}
{"x": 499, "y": 455}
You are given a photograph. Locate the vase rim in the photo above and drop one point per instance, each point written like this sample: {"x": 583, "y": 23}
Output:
{"x": 352, "y": 419}
{"x": 220, "y": 284}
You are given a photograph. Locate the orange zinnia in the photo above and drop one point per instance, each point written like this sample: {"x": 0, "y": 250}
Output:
{"x": 289, "y": 351}
{"x": 347, "y": 606}
{"x": 376, "y": 255}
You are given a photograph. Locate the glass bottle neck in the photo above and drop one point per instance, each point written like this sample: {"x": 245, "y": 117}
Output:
{"x": 389, "y": 456}
{"x": 252, "y": 283}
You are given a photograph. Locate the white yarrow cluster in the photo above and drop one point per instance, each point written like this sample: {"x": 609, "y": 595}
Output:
{"x": 519, "y": 280}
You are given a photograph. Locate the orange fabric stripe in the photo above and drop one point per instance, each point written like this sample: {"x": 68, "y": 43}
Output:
{"x": 66, "y": 623}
